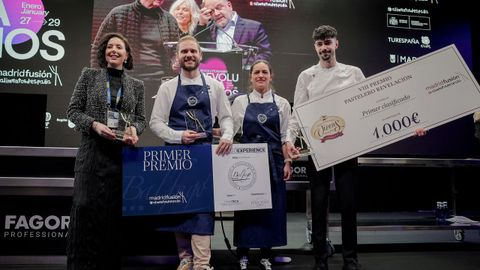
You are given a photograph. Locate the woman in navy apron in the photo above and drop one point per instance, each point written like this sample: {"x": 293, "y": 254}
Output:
{"x": 262, "y": 117}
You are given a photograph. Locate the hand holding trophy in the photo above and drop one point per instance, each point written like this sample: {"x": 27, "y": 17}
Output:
{"x": 193, "y": 123}
{"x": 304, "y": 149}
{"x": 124, "y": 131}
{"x": 124, "y": 123}
{"x": 130, "y": 137}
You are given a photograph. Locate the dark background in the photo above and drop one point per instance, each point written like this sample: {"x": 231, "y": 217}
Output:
{"x": 363, "y": 36}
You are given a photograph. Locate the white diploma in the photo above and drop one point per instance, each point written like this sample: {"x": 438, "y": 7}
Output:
{"x": 241, "y": 180}
{"x": 387, "y": 107}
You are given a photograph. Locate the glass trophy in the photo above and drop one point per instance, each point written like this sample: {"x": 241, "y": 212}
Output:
{"x": 124, "y": 123}
{"x": 193, "y": 123}
{"x": 305, "y": 149}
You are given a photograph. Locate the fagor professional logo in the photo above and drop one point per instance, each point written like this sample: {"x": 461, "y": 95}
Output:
{"x": 35, "y": 226}
{"x": 299, "y": 172}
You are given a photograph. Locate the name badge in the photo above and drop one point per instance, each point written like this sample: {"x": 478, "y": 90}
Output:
{"x": 112, "y": 119}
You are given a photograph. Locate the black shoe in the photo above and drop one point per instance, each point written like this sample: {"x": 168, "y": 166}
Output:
{"x": 351, "y": 264}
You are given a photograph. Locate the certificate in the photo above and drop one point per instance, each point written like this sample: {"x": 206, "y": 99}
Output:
{"x": 193, "y": 179}
{"x": 385, "y": 108}
{"x": 242, "y": 178}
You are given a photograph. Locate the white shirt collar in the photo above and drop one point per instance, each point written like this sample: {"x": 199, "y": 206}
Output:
{"x": 267, "y": 94}
{"x": 187, "y": 80}
{"x": 232, "y": 21}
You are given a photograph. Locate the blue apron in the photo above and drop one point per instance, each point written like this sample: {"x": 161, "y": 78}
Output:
{"x": 193, "y": 98}
{"x": 264, "y": 228}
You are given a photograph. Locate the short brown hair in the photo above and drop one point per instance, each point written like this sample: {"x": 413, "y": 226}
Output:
{"x": 323, "y": 32}
{"x": 191, "y": 38}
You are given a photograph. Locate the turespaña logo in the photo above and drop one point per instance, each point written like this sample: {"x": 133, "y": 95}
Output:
{"x": 425, "y": 42}
{"x": 328, "y": 128}
{"x": 242, "y": 175}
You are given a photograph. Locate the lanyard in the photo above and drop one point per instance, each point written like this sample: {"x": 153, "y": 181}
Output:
{"x": 109, "y": 94}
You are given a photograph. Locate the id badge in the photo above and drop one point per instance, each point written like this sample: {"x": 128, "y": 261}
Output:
{"x": 112, "y": 119}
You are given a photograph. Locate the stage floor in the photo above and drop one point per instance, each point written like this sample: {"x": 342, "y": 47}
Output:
{"x": 404, "y": 241}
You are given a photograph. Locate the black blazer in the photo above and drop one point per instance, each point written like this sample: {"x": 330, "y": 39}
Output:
{"x": 88, "y": 104}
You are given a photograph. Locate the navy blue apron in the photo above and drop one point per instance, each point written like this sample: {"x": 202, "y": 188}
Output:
{"x": 264, "y": 228}
{"x": 192, "y": 98}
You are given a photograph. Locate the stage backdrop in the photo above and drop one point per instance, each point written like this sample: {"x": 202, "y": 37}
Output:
{"x": 45, "y": 44}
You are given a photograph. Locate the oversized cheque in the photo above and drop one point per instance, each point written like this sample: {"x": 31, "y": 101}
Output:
{"x": 385, "y": 108}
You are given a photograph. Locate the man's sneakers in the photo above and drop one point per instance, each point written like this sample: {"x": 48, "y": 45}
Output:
{"x": 265, "y": 264}
{"x": 243, "y": 263}
{"x": 185, "y": 264}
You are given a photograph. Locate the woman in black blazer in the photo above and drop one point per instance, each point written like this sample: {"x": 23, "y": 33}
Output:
{"x": 100, "y": 98}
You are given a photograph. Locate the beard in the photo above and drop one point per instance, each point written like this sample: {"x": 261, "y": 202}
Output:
{"x": 189, "y": 68}
{"x": 325, "y": 55}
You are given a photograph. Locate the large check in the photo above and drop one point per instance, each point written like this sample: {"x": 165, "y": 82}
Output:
{"x": 193, "y": 179}
{"x": 385, "y": 108}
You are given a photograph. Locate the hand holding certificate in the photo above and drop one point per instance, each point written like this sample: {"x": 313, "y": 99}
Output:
{"x": 389, "y": 107}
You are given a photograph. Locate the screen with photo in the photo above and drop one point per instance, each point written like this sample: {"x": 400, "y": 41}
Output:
{"x": 374, "y": 35}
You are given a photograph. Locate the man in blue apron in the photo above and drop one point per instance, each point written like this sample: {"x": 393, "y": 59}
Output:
{"x": 184, "y": 113}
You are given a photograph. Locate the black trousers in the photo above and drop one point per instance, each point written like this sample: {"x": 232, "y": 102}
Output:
{"x": 345, "y": 181}
{"x": 94, "y": 235}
